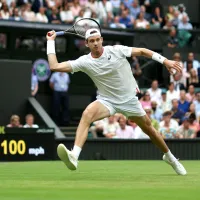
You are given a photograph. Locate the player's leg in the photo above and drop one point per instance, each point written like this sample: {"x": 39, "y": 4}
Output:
{"x": 145, "y": 124}
{"x": 95, "y": 111}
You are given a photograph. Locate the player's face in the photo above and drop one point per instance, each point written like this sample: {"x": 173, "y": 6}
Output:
{"x": 95, "y": 43}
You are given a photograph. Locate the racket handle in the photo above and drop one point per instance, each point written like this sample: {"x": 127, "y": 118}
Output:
{"x": 60, "y": 33}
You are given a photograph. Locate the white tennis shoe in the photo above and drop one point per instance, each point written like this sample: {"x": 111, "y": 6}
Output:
{"x": 67, "y": 157}
{"x": 176, "y": 165}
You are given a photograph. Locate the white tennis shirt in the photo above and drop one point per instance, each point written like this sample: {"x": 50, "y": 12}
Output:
{"x": 111, "y": 73}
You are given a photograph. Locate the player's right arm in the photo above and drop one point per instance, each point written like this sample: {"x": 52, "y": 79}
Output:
{"x": 53, "y": 62}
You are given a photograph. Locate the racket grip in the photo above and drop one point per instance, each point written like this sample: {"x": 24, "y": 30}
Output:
{"x": 60, "y": 33}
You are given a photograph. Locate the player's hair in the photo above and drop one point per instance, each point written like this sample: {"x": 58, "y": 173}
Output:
{"x": 29, "y": 115}
{"x": 167, "y": 113}
{"x": 13, "y": 117}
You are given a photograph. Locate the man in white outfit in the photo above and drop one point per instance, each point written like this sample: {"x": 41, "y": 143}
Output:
{"x": 111, "y": 72}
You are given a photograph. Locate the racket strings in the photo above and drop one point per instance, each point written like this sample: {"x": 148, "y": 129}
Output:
{"x": 84, "y": 24}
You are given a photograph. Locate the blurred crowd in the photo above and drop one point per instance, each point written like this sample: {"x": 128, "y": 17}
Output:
{"x": 137, "y": 14}
{"x": 175, "y": 113}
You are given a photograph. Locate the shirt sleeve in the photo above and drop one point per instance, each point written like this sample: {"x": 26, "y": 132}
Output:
{"x": 77, "y": 65}
{"x": 124, "y": 51}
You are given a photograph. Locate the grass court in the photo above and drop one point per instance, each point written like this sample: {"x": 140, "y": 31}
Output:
{"x": 98, "y": 180}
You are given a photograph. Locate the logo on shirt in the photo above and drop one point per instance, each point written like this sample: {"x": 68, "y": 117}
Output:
{"x": 109, "y": 57}
{"x": 41, "y": 69}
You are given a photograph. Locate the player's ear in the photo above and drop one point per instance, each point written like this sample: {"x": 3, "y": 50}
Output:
{"x": 102, "y": 39}
{"x": 86, "y": 43}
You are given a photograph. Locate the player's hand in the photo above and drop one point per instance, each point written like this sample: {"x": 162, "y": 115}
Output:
{"x": 51, "y": 35}
{"x": 173, "y": 66}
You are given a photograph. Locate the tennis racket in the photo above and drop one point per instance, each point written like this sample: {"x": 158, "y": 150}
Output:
{"x": 80, "y": 27}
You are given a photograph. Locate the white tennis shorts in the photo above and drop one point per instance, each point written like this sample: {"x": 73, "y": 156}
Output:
{"x": 131, "y": 108}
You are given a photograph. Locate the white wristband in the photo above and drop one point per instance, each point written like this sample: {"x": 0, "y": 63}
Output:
{"x": 51, "y": 47}
{"x": 157, "y": 57}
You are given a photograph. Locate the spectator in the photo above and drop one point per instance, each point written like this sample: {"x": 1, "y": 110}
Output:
{"x": 105, "y": 7}
{"x": 168, "y": 127}
{"x": 146, "y": 100}
{"x": 170, "y": 14}
{"x": 75, "y": 8}
{"x": 177, "y": 114}
{"x": 191, "y": 110}
{"x": 14, "y": 122}
{"x": 197, "y": 104}
{"x": 184, "y": 24}
{"x": 116, "y": 6}
{"x": 59, "y": 82}
{"x": 117, "y": 24}
{"x": 66, "y": 15}
{"x": 194, "y": 123}
{"x": 183, "y": 104}
{"x": 34, "y": 84}
{"x": 134, "y": 9}
{"x": 135, "y": 68}
{"x": 109, "y": 129}
{"x": 190, "y": 96}
{"x": 15, "y": 16}
{"x": 54, "y": 18}
{"x": 40, "y": 16}
{"x": 125, "y": 131}
{"x": 37, "y": 4}
{"x": 172, "y": 93}
{"x": 182, "y": 13}
{"x": 147, "y": 4}
{"x": 92, "y": 5}
{"x": 30, "y": 122}
{"x": 178, "y": 85}
{"x": 28, "y": 14}
{"x": 193, "y": 79}
{"x": 147, "y": 16}
{"x": 190, "y": 59}
{"x": 4, "y": 12}
{"x": 141, "y": 22}
{"x": 188, "y": 65}
{"x": 97, "y": 128}
{"x": 110, "y": 20}
{"x": 125, "y": 19}
{"x": 94, "y": 16}
{"x": 80, "y": 15}
{"x": 139, "y": 134}
{"x": 154, "y": 122}
{"x": 179, "y": 77}
{"x": 168, "y": 25}
{"x": 11, "y": 6}
{"x": 172, "y": 41}
{"x": 157, "y": 18}
{"x": 156, "y": 111}
{"x": 185, "y": 131}
{"x": 155, "y": 92}
{"x": 165, "y": 105}
{"x": 175, "y": 20}
{"x": 51, "y": 4}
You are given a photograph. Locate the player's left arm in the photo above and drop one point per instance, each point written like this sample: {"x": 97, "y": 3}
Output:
{"x": 170, "y": 64}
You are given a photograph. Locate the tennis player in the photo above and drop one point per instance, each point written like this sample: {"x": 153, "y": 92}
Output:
{"x": 109, "y": 69}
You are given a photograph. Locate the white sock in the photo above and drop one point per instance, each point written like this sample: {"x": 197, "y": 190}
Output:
{"x": 170, "y": 156}
{"x": 76, "y": 150}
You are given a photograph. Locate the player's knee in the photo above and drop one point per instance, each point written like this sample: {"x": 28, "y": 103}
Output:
{"x": 88, "y": 115}
{"x": 147, "y": 126}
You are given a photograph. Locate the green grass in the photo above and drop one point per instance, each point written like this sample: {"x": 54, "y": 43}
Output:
{"x": 98, "y": 180}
